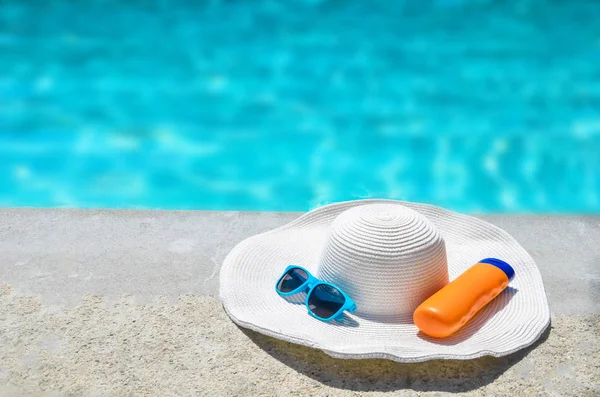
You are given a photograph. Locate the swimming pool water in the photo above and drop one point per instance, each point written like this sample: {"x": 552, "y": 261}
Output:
{"x": 481, "y": 106}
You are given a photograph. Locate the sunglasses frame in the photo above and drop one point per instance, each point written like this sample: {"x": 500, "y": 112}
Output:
{"x": 308, "y": 286}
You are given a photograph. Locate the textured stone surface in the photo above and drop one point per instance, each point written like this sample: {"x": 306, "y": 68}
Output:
{"x": 189, "y": 347}
{"x": 101, "y": 303}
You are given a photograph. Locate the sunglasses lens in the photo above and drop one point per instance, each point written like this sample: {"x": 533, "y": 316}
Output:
{"x": 325, "y": 301}
{"x": 293, "y": 279}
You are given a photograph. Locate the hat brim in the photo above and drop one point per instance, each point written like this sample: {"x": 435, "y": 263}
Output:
{"x": 512, "y": 321}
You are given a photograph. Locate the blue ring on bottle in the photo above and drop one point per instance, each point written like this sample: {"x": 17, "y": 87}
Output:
{"x": 500, "y": 264}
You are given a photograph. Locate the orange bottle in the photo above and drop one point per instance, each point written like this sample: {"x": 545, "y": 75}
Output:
{"x": 446, "y": 311}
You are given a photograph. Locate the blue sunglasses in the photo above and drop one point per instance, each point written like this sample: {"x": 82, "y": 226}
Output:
{"x": 324, "y": 301}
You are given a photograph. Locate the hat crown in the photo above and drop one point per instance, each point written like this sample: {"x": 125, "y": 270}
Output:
{"x": 386, "y": 257}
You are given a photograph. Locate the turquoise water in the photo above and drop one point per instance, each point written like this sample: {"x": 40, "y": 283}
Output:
{"x": 486, "y": 106}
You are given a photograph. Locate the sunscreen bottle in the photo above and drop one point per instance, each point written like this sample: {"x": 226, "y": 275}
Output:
{"x": 446, "y": 311}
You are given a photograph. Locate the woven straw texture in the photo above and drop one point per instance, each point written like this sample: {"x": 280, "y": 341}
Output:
{"x": 388, "y": 256}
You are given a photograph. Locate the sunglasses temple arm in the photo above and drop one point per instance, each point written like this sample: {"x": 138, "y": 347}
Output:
{"x": 352, "y": 307}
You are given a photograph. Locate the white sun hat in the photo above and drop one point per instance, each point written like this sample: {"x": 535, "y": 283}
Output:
{"x": 388, "y": 256}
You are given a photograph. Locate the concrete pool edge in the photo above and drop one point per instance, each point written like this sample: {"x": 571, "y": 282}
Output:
{"x": 63, "y": 254}
{"x": 121, "y": 302}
